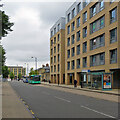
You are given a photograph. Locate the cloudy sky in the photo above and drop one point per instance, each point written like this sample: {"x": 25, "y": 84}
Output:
{"x": 31, "y": 31}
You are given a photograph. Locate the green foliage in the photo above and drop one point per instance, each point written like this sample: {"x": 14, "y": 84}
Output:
{"x": 12, "y": 76}
{"x": 19, "y": 76}
{"x": 5, "y": 71}
{"x": 2, "y": 56}
{"x": 6, "y": 24}
{"x": 33, "y": 72}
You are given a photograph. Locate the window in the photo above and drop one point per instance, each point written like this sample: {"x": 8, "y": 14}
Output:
{"x": 73, "y": 51}
{"x": 54, "y": 40}
{"x": 78, "y": 22}
{"x": 85, "y": 32}
{"x": 93, "y": 11}
{"x": 73, "y": 13}
{"x": 101, "y": 5}
{"x": 68, "y": 65}
{"x": 113, "y": 15}
{"x": 51, "y": 60}
{"x": 58, "y": 58}
{"x": 58, "y": 47}
{"x": 58, "y": 37}
{"x": 68, "y": 29}
{"x": 51, "y": 42}
{"x": 55, "y": 30}
{"x": 84, "y": 47}
{"x": 51, "y": 33}
{"x": 113, "y": 35}
{"x": 68, "y": 41}
{"x": 97, "y": 42}
{"x": 68, "y": 17}
{"x": 98, "y": 59}
{"x": 84, "y": 17}
{"x": 78, "y": 63}
{"x": 54, "y": 59}
{"x": 54, "y": 49}
{"x": 54, "y": 68}
{"x": 84, "y": 3}
{"x": 58, "y": 68}
{"x": 51, "y": 51}
{"x": 113, "y": 56}
{"x": 78, "y": 35}
{"x": 97, "y": 25}
{"x": 58, "y": 27}
{"x": 78, "y": 7}
{"x": 51, "y": 68}
{"x": 73, "y": 64}
{"x": 73, "y": 26}
{"x": 85, "y": 62}
{"x": 68, "y": 54}
{"x": 73, "y": 39}
{"x": 78, "y": 49}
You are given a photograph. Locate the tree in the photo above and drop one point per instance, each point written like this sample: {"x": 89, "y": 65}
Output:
{"x": 5, "y": 71}
{"x": 32, "y": 72}
{"x": 19, "y": 76}
{"x": 2, "y": 56}
{"x": 5, "y": 23}
{"x": 12, "y": 76}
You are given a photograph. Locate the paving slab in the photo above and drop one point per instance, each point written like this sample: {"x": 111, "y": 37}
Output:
{"x": 12, "y": 106}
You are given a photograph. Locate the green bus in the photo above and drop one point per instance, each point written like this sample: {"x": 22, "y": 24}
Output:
{"x": 34, "y": 79}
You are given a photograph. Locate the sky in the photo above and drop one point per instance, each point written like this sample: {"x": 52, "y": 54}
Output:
{"x": 31, "y": 31}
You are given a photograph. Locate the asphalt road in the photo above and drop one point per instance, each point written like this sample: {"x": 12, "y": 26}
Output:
{"x": 51, "y": 103}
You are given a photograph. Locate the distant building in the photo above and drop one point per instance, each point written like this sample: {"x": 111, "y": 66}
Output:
{"x": 44, "y": 72}
{"x": 16, "y": 70}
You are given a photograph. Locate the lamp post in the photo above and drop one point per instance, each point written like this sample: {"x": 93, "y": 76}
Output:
{"x": 35, "y": 63}
{"x": 26, "y": 68}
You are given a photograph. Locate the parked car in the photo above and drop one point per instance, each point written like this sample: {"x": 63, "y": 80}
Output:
{"x": 25, "y": 80}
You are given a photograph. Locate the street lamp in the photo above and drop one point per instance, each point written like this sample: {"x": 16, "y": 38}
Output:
{"x": 35, "y": 62}
{"x": 26, "y": 68}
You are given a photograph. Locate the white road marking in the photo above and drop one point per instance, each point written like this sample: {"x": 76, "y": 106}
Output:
{"x": 46, "y": 93}
{"x": 98, "y": 112}
{"x": 62, "y": 99}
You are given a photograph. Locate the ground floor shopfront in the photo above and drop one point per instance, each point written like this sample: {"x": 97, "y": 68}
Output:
{"x": 95, "y": 79}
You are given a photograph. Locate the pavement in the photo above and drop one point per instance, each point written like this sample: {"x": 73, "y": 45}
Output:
{"x": 57, "y": 102}
{"x": 111, "y": 95}
{"x": 12, "y": 106}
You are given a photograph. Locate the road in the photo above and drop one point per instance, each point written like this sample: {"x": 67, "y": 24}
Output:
{"x": 51, "y": 103}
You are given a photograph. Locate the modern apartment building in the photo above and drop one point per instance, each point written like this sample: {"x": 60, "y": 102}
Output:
{"x": 57, "y": 52}
{"x": 92, "y": 40}
{"x": 16, "y": 70}
{"x": 92, "y": 43}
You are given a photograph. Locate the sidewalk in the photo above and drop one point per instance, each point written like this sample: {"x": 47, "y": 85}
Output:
{"x": 112, "y": 92}
{"x": 12, "y": 106}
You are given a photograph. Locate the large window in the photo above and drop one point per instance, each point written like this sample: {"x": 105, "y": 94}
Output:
{"x": 113, "y": 35}
{"x": 68, "y": 65}
{"x": 113, "y": 56}
{"x": 84, "y": 17}
{"x": 78, "y": 49}
{"x": 54, "y": 40}
{"x": 73, "y": 51}
{"x": 85, "y": 62}
{"x": 98, "y": 59}
{"x": 97, "y": 25}
{"x": 58, "y": 58}
{"x": 78, "y": 63}
{"x": 58, "y": 37}
{"x": 51, "y": 60}
{"x": 73, "y": 13}
{"x": 58, "y": 47}
{"x": 51, "y": 68}
{"x": 54, "y": 49}
{"x": 55, "y": 30}
{"x": 78, "y": 22}
{"x": 78, "y": 35}
{"x": 54, "y": 68}
{"x": 68, "y": 29}
{"x": 68, "y": 17}
{"x": 78, "y": 7}
{"x": 58, "y": 68}
{"x": 85, "y": 32}
{"x": 84, "y": 47}
{"x": 51, "y": 51}
{"x": 51, "y": 42}
{"x": 113, "y": 15}
{"x": 97, "y": 42}
{"x": 73, "y": 64}
{"x": 73, "y": 26}
{"x": 73, "y": 39}
{"x": 101, "y": 4}
{"x": 68, "y": 41}
{"x": 68, "y": 54}
{"x": 85, "y": 3}
{"x": 54, "y": 59}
